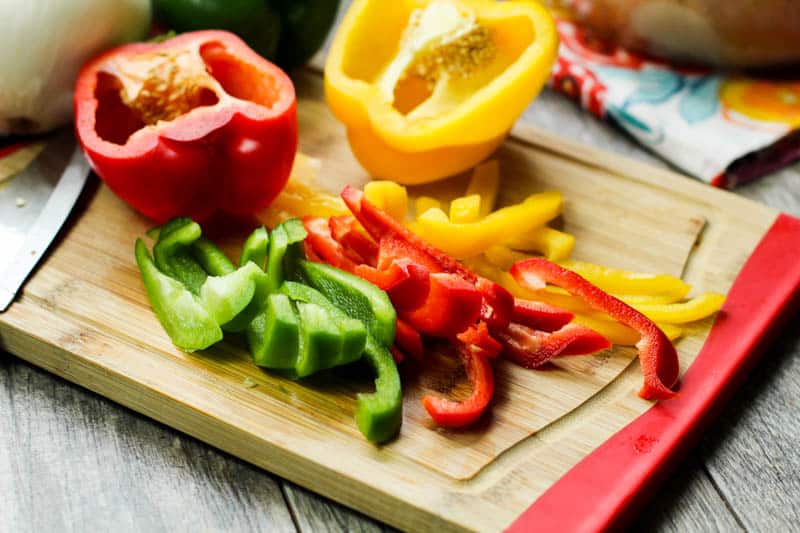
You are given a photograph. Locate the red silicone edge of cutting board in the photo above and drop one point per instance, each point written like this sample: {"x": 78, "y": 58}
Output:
{"x": 607, "y": 488}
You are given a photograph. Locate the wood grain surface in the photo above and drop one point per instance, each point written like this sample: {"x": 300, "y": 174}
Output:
{"x": 70, "y": 460}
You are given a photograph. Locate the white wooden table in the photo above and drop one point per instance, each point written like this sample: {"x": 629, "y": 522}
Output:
{"x": 73, "y": 461}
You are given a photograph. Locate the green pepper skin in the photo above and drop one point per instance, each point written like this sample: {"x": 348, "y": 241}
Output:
{"x": 287, "y": 32}
{"x": 189, "y": 325}
{"x": 380, "y": 414}
{"x": 255, "y": 251}
{"x": 173, "y": 254}
{"x": 358, "y": 298}
{"x": 225, "y": 297}
{"x": 353, "y": 331}
{"x": 274, "y": 334}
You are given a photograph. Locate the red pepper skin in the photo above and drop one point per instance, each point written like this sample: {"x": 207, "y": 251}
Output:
{"x": 345, "y": 233}
{"x": 395, "y": 240}
{"x": 530, "y": 348}
{"x": 406, "y": 283}
{"x": 541, "y": 316}
{"x": 379, "y": 224}
{"x": 412, "y": 291}
{"x": 233, "y": 156}
{"x": 498, "y": 304}
{"x": 657, "y": 355}
{"x": 397, "y": 354}
{"x": 477, "y": 337}
{"x": 409, "y": 341}
{"x": 323, "y": 245}
{"x": 452, "y": 306}
{"x": 449, "y": 413}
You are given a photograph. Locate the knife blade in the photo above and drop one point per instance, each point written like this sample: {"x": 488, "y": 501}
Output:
{"x": 33, "y": 206}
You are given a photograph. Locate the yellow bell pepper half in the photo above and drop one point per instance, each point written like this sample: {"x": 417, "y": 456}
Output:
{"x": 429, "y": 88}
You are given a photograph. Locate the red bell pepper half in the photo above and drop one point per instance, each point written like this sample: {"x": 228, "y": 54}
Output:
{"x": 187, "y": 127}
{"x": 657, "y": 355}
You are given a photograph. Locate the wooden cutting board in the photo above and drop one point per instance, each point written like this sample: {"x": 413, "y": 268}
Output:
{"x": 84, "y": 316}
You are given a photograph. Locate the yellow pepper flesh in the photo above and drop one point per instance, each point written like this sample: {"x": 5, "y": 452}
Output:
{"x": 388, "y": 196}
{"x": 470, "y": 239}
{"x": 555, "y": 245}
{"x": 621, "y": 334}
{"x": 465, "y": 209}
{"x": 485, "y": 182}
{"x": 698, "y": 308}
{"x": 618, "y": 281}
{"x": 423, "y": 203}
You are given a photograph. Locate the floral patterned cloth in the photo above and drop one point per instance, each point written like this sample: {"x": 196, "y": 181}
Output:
{"x": 720, "y": 129}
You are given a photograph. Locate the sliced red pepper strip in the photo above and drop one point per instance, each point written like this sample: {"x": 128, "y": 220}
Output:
{"x": 397, "y": 354}
{"x": 541, "y": 316}
{"x": 412, "y": 291}
{"x": 396, "y": 240}
{"x": 498, "y": 304}
{"x": 344, "y": 231}
{"x": 322, "y": 242}
{"x": 450, "y": 413}
{"x": 409, "y": 340}
{"x": 452, "y": 305}
{"x": 379, "y": 224}
{"x": 531, "y": 348}
{"x": 478, "y": 337}
{"x": 657, "y": 355}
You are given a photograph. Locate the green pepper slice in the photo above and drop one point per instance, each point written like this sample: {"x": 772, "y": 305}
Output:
{"x": 274, "y": 335}
{"x": 352, "y": 330}
{"x": 358, "y": 298}
{"x": 182, "y": 315}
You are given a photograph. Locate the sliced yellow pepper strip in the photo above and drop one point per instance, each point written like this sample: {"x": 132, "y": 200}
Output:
{"x": 471, "y": 239}
{"x": 648, "y": 299}
{"x": 389, "y": 196}
{"x": 618, "y": 281}
{"x": 620, "y": 333}
{"x": 485, "y": 182}
{"x": 503, "y": 257}
{"x": 423, "y": 203}
{"x": 465, "y": 209}
{"x": 555, "y": 245}
{"x": 681, "y": 313}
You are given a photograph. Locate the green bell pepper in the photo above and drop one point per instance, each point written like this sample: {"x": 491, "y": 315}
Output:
{"x": 287, "y": 32}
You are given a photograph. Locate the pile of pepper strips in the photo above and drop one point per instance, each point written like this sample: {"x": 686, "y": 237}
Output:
{"x": 301, "y": 298}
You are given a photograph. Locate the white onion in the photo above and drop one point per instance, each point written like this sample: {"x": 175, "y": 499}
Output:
{"x": 44, "y": 43}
